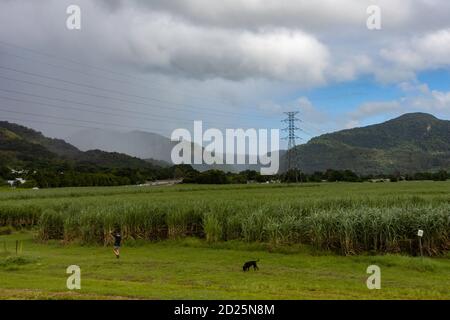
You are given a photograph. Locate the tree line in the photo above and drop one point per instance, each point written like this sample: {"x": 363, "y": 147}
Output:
{"x": 87, "y": 175}
{"x": 91, "y": 175}
{"x": 295, "y": 175}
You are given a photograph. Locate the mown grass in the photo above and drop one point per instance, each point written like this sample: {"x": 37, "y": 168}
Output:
{"x": 193, "y": 269}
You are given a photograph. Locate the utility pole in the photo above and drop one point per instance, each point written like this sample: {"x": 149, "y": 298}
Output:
{"x": 291, "y": 128}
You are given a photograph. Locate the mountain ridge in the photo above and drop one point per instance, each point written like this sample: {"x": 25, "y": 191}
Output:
{"x": 20, "y": 145}
{"x": 143, "y": 145}
{"x": 412, "y": 142}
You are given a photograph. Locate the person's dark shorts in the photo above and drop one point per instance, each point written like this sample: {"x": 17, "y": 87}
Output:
{"x": 116, "y": 247}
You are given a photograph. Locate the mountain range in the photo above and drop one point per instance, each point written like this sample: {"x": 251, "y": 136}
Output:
{"x": 140, "y": 144}
{"x": 22, "y": 146}
{"x": 414, "y": 142}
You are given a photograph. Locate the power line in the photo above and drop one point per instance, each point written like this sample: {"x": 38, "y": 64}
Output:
{"x": 126, "y": 75}
{"x": 312, "y": 127}
{"x": 112, "y": 79}
{"x": 103, "y": 89}
{"x": 129, "y": 76}
{"x": 92, "y": 67}
{"x": 92, "y": 105}
{"x": 86, "y": 93}
{"x": 215, "y": 112}
{"x": 76, "y": 120}
{"x": 102, "y": 96}
{"x": 153, "y": 118}
{"x": 100, "y": 76}
{"x": 291, "y": 128}
{"x": 80, "y": 109}
{"x": 52, "y": 123}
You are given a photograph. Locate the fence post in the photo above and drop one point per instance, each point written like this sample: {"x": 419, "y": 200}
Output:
{"x": 420, "y": 235}
{"x": 420, "y": 245}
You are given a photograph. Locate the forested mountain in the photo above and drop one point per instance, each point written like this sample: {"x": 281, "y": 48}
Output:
{"x": 50, "y": 162}
{"x": 413, "y": 142}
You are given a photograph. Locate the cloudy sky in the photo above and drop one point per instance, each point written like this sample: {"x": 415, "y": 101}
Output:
{"x": 158, "y": 65}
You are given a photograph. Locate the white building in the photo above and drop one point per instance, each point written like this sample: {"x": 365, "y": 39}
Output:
{"x": 13, "y": 182}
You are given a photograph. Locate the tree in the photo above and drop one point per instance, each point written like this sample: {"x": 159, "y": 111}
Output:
{"x": 3, "y": 182}
{"x": 293, "y": 175}
{"x": 350, "y": 176}
{"x": 442, "y": 175}
{"x": 212, "y": 177}
{"x": 333, "y": 175}
{"x": 393, "y": 178}
{"x": 5, "y": 173}
{"x": 28, "y": 184}
{"x": 316, "y": 177}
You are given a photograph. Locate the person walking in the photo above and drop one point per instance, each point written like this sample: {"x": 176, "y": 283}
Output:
{"x": 117, "y": 240}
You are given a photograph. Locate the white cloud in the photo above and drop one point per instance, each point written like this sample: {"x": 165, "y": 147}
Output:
{"x": 352, "y": 124}
{"x": 309, "y": 43}
{"x": 429, "y": 51}
{"x": 166, "y": 44}
{"x": 315, "y": 16}
{"x": 350, "y": 68}
{"x": 419, "y": 99}
{"x": 407, "y": 87}
{"x": 441, "y": 99}
{"x": 245, "y": 53}
{"x": 368, "y": 109}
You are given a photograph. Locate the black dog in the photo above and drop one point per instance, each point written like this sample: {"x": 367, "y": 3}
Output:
{"x": 250, "y": 264}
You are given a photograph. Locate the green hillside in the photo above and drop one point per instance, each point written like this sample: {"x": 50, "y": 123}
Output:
{"x": 24, "y": 147}
{"x": 413, "y": 142}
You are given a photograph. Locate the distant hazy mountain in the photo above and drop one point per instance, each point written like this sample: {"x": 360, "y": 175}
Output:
{"x": 143, "y": 145}
{"x": 410, "y": 143}
{"x": 20, "y": 145}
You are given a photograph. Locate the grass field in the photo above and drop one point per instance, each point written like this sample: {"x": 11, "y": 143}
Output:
{"x": 315, "y": 241}
{"x": 192, "y": 269}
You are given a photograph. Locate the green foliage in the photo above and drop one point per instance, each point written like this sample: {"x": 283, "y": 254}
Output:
{"x": 5, "y": 230}
{"x": 29, "y": 184}
{"x": 213, "y": 227}
{"x": 3, "y": 182}
{"x": 414, "y": 142}
{"x": 346, "y": 218}
{"x": 14, "y": 261}
{"x": 51, "y": 225}
{"x": 53, "y": 163}
{"x": 22, "y": 215}
{"x": 212, "y": 177}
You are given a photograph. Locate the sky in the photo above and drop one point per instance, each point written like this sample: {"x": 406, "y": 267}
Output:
{"x": 159, "y": 65}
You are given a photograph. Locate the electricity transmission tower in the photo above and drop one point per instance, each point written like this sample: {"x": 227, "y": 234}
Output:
{"x": 291, "y": 128}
